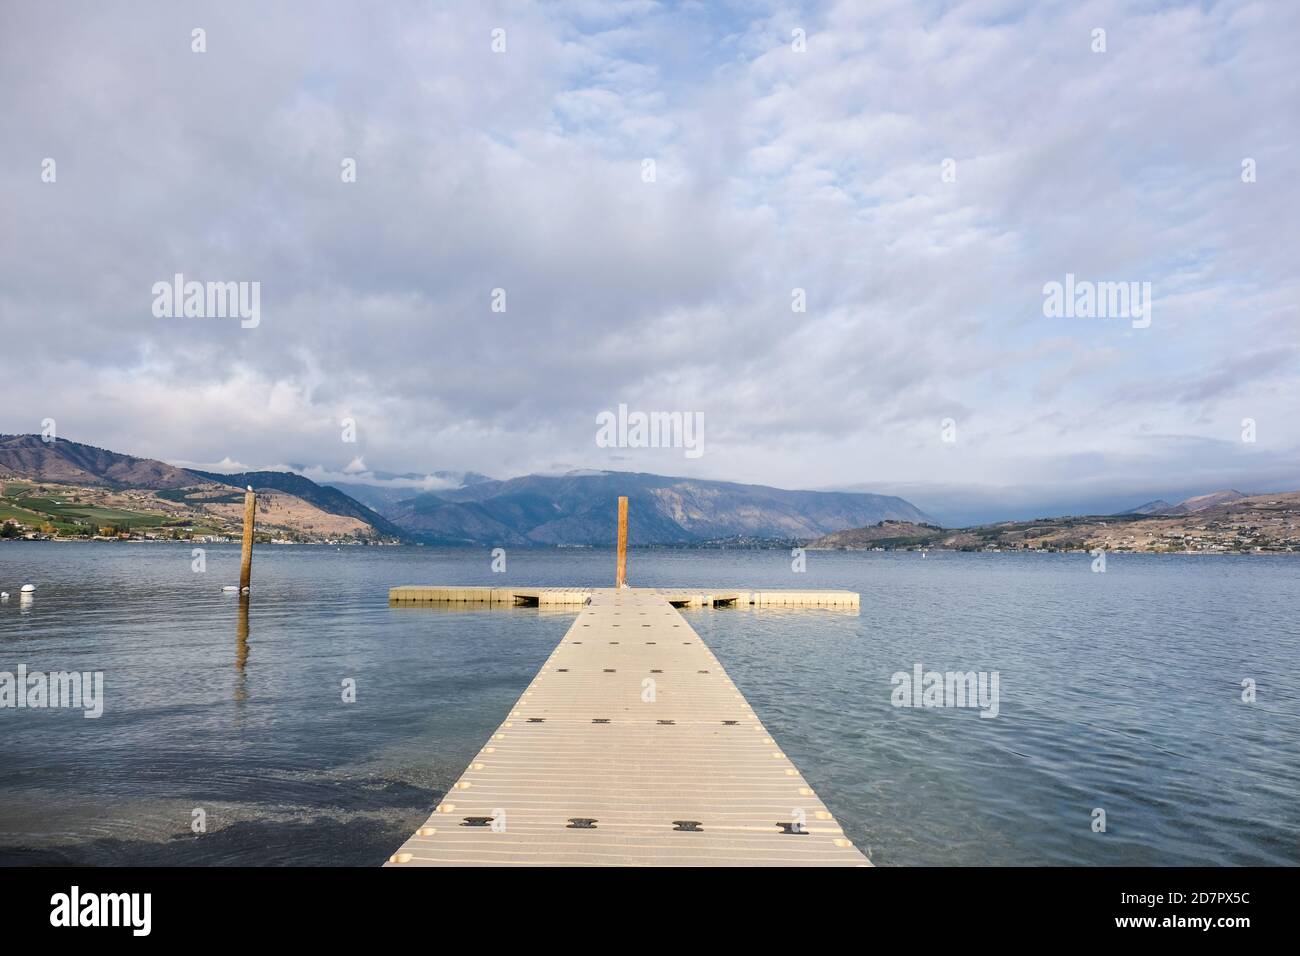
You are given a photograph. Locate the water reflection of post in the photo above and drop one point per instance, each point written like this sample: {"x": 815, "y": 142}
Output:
{"x": 241, "y": 649}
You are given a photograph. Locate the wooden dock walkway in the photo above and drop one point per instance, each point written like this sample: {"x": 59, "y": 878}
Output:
{"x": 631, "y": 746}
{"x": 677, "y": 597}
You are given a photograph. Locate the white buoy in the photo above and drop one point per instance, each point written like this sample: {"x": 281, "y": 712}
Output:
{"x": 28, "y": 588}
{"x": 4, "y": 595}
{"x": 231, "y": 588}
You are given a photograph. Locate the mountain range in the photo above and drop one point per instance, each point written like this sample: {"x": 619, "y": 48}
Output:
{"x": 64, "y": 488}
{"x": 126, "y": 492}
{"x": 1189, "y": 505}
{"x": 578, "y": 508}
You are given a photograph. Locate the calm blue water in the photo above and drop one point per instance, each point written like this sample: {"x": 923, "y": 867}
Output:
{"x": 1119, "y": 691}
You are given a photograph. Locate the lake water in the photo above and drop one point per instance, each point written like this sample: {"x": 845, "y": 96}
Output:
{"x": 1120, "y": 691}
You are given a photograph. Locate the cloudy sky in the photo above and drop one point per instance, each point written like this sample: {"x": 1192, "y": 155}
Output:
{"x": 919, "y": 169}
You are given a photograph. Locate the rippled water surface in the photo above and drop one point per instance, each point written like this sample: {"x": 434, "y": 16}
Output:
{"x": 1120, "y": 691}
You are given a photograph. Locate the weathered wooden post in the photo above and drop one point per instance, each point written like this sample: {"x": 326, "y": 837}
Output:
{"x": 246, "y": 559}
{"x": 621, "y": 580}
{"x": 241, "y": 649}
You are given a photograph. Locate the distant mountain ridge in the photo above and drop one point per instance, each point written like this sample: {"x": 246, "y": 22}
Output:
{"x": 70, "y": 462}
{"x": 1188, "y": 505}
{"x": 1159, "y": 506}
{"x": 1201, "y": 502}
{"x": 578, "y": 508}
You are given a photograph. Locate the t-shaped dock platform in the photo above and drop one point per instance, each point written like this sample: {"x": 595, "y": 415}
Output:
{"x": 631, "y": 746}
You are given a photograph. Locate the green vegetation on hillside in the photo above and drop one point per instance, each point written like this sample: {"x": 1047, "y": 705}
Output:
{"x": 72, "y": 511}
{"x": 67, "y": 514}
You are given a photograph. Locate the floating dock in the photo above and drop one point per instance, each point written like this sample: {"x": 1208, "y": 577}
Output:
{"x": 631, "y": 746}
{"x": 677, "y": 597}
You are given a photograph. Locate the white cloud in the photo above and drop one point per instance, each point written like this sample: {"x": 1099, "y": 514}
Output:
{"x": 775, "y": 170}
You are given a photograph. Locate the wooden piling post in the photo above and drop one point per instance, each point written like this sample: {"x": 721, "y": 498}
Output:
{"x": 246, "y": 559}
{"x": 620, "y": 580}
